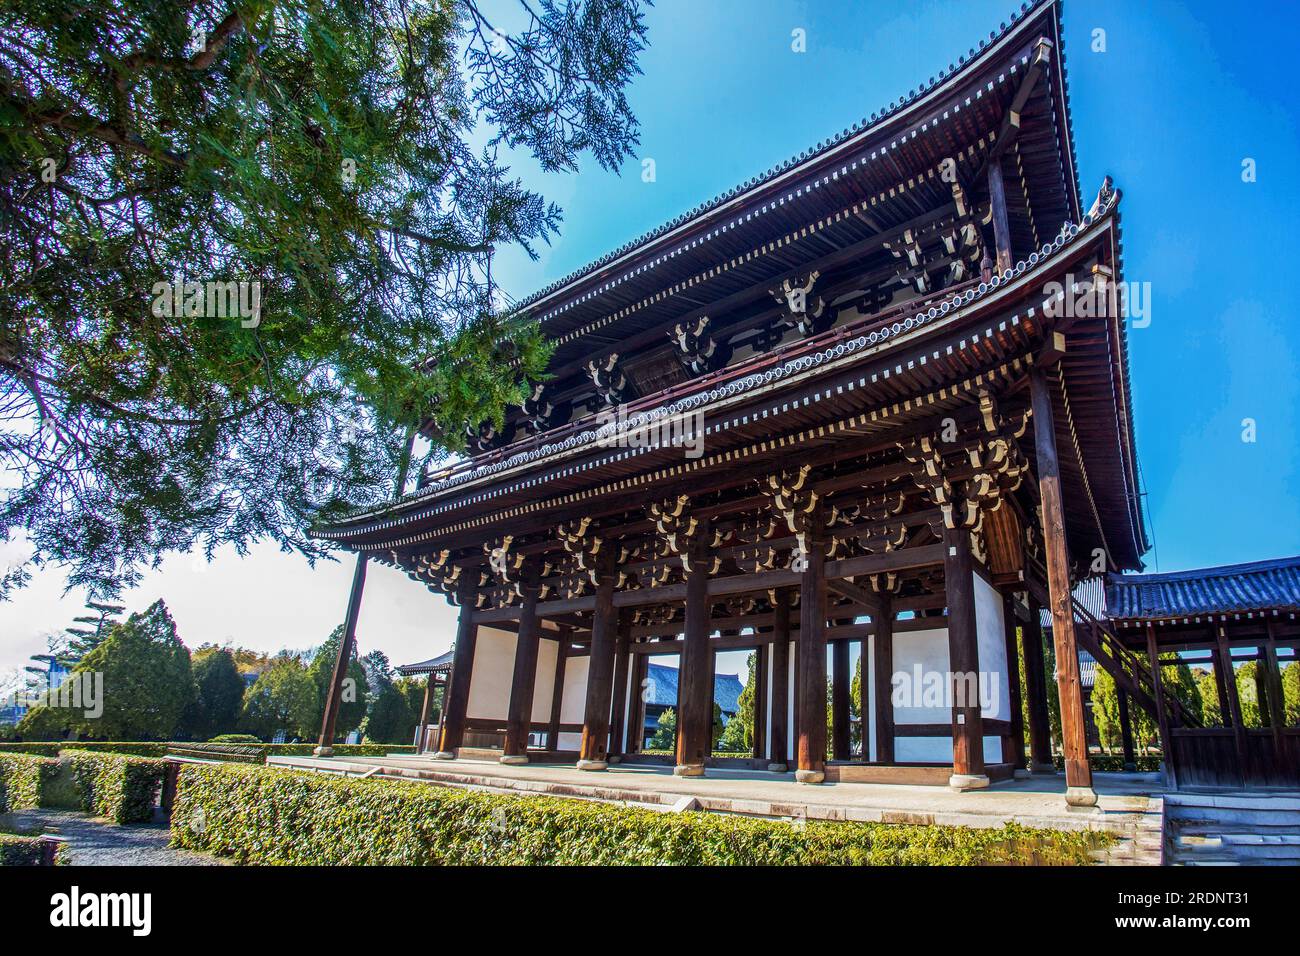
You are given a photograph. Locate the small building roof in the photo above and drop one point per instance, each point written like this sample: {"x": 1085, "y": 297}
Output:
{"x": 661, "y": 685}
{"x": 1230, "y": 589}
{"x": 437, "y": 665}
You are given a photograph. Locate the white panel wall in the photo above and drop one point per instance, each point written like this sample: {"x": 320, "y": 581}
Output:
{"x": 544, "y": 685}
{"x": 494, "y": 664}
{"x": 573, "y": 705}
{"x": 924, "y": 652}
{"x": 990, "y": 630}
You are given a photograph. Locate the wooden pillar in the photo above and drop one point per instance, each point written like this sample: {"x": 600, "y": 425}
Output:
{"x": 636, "y": 706}
{"x": 1162, "y": 714}
{"x": 964, "y": 663}
{"x": 998, "y": 206}
{"x": 600, "y": 673}
{"x": 455, "y": 699}
{"x": 695, "y": 680}
{"x": 883, "y": 685}
{"x": 780, "y": 692}
{"x": 811, "y": 657}
{"x": 422, "y": 728}
{"x": 557, "y": 695}
{"x": 1126, "y": 730}
{"x": 1013, "y": 746}
{"x": 519, "y": 717}
{"x": 840, "y": 734}
{"x": 346, "y": 647}
{"x": 761, "y": 656}
{"x": 1233, "y": 702}
{"x": 622, "y": 653}
{"x": 1074, "y": 735}
{"x": 1276, "y": 697}
{"x": 1040, "y": 726}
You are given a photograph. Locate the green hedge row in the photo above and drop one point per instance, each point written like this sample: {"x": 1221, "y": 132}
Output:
{"x": 27, "y": 851}
{"x": 267, "y": 815}
{"x": 1114, "y": 763}
{"x": 160, "y": 748}
{"x": 23, "y": 780}
{"x": 122, "y": 788}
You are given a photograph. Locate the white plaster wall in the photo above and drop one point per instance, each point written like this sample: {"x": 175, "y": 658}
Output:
{"x": 868, "y": 692}
{"x": 494, "y": 664}
{"x": 791, "y": 739}
{"x": 991, "y": 637}
{"x": 573, "y": 705}
{"x": 569, "y": 741}
{"x": 544, "y": 685}
{"x": 939, "y": 749}
{"x": 927, "y": 650}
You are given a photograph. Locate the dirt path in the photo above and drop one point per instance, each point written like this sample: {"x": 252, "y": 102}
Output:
{"x": 95, "y": 842}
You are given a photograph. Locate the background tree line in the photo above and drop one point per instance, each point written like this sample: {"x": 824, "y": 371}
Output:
{"x": 155, "y": 689}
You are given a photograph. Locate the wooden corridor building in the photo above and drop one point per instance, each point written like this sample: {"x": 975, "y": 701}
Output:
{"x": 877, "y": 395}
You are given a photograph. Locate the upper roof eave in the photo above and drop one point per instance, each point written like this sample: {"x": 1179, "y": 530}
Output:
{"x": 1031, "y": 16}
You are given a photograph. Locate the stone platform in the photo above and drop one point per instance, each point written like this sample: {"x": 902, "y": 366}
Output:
{"x": 1129, "y": 805}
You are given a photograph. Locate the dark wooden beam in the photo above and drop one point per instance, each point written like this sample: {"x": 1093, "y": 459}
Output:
{"x": 811, "y": 651}
{"x": 1040, "y": 731}
{"x": 963, "y": 662}
{"x": 695, "y": 677}
{"x": 455, "y": 699}
{"x": 341, "y": 663}
{"x": 600, "y": 673}
{"x": 840, "y": 732}
{"x": 520, "y": 713}
{"x": 779, "y": 754}
{"x": 1078, "y": 773}
{"x": 882, "y": 686}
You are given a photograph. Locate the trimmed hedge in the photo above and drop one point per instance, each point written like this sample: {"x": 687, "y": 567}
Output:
{"x": 124, "y": 789}
{"x": 1114, "y": 763}
{"x": 268, "y": 815}
{"x": 23, "y": 780}
{"x": 159, "y": 748}
{"x": 28, "y": 851}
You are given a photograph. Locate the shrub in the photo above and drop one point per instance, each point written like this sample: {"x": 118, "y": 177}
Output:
{"x": 235, "y": 739}
{"x": 23, "y": 780}
{"x": 123, "y": 789}
{"x": 160, "y": 749}
{"x": 271, "y": 816}
{"x": 27, "y": 851}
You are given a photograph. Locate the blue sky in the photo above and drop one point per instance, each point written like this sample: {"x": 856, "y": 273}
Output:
{"x": 1181, "y": 95}
{"x": 1170, "y": 110}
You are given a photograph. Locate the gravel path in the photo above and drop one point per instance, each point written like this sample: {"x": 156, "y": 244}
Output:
{"x": 95, "y": 842}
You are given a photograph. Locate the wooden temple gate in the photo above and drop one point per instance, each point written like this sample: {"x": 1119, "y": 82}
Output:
{"x": 878, "y": 395}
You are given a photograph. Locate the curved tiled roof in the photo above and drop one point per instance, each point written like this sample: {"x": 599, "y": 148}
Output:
{"x": 813, "y": 153}
{"x": 437, "y": 665}
{"x": 1107, "y": 201}
{"x": 661, "y": 687}
{"x": 1234, "y": 588}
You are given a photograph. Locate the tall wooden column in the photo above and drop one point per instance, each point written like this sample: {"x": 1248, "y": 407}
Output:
{"x": 811, "y": 657}
{"x": 1125, "y": 730}
{"x": 762, "y": 654}
{"x": 1016, "y": 757}
{"x": 695, "y": 678}
{"x": 1078, "y": 774}
{"x": 840, "y": 733}
{"x": 520, "y": 715}
{"x": 1162, "y": 715}
{"x": 622, "y": 655}
{"x": 1040, "y": 726}
{"x": 455, "y": 699}
{"x": 780, "y": 752}
{"x": 1233, "y": 701}
{"x": 557, "y": 694}
{"x": 998, "y": 208}
{"x": 964, "y": 663}
{"x": 600, "y": 674}
{"x": 883, "y": 685}
{"x": 636, "y": 706}
{"x": 422, "y": 727}
{"x": 346, "y": 647}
